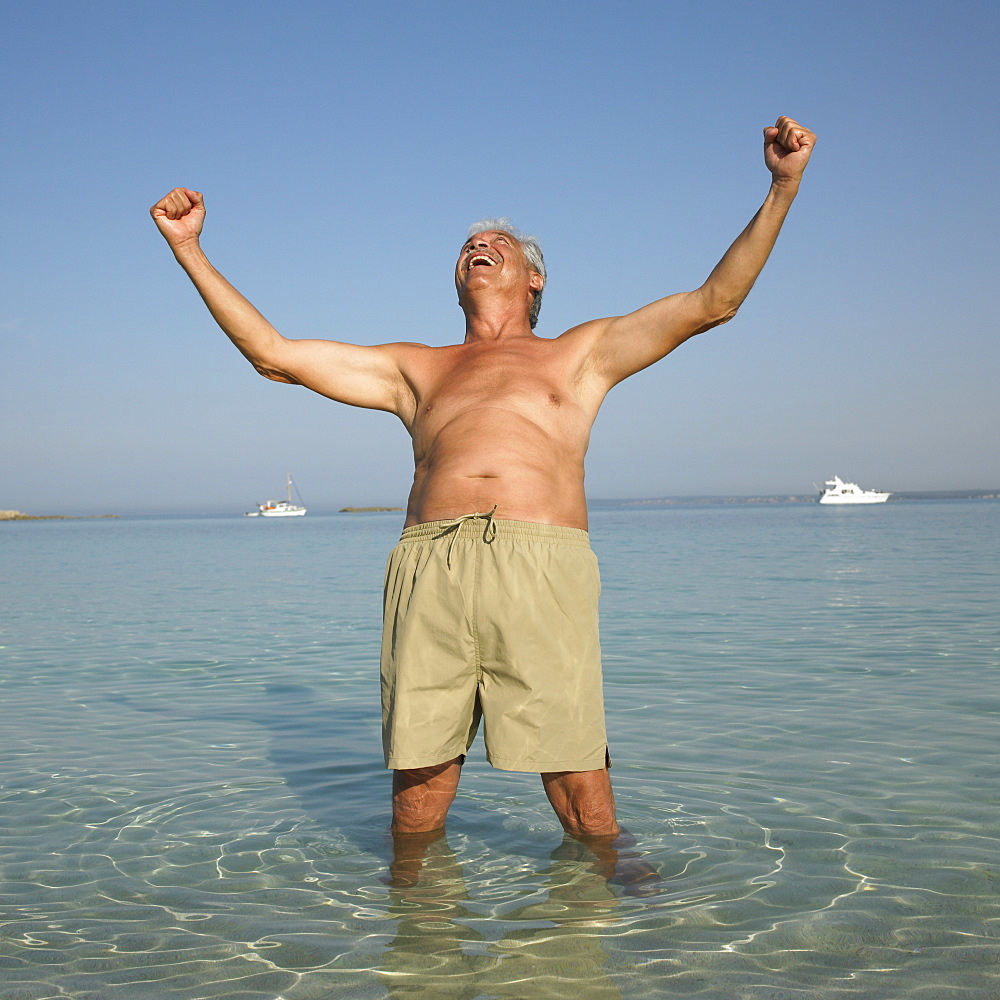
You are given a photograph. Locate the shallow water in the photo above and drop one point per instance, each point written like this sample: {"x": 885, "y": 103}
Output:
{"x": 803, "y": 706}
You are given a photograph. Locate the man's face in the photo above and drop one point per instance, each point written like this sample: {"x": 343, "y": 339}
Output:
{"x": 493, "y": 259}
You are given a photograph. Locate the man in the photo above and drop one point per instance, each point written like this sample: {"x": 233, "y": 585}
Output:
{"x": 491, "y": 594}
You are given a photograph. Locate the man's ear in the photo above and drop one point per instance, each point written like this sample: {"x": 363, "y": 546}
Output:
{"x": 537, "y": 282}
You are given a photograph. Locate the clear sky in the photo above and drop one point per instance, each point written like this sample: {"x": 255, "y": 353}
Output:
{"x": 344, "y": 148}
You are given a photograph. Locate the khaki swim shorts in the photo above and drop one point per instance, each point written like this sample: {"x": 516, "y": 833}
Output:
{"x": 493, "y": 620}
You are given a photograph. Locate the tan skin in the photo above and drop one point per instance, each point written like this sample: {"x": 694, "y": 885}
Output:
{"x": 504, "y": 417}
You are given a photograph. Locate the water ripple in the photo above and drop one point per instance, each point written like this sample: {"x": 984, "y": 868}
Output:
{"x": 803, "y": 725}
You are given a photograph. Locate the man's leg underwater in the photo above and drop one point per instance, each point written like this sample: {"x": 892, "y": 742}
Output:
{"x": 421, "y": 796}
{"x": 583, "y": 801}
{"x": 585, "y": 805}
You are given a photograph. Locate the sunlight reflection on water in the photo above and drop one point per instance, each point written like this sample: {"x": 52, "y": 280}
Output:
{"x": 803, "y": 725}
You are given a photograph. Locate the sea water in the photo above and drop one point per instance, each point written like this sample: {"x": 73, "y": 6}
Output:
{"x": 803, "y": 704}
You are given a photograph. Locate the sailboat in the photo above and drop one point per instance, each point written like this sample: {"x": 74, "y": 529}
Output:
{"x": 279, "y": 508}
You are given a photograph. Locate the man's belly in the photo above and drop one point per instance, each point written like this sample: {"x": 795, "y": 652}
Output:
{"x": 499, "y": 459}
{"x": 516, "y": 498}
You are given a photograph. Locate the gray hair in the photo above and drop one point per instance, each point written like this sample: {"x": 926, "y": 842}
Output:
{"x": 530, "y": 246}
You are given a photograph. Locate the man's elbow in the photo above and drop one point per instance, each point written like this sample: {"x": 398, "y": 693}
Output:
{"x": 275, "y": 376}
{"x": 715, "y": 318}
{"x": 715, "y": 309}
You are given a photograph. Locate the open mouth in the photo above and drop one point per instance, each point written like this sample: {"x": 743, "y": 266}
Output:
{"x": 480, "y": 259}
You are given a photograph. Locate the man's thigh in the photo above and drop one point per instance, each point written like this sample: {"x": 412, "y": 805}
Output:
{"x": 541, "y": 685}
{"x": 429, "y": 680}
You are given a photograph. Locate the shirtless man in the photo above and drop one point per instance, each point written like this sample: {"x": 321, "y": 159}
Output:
{"x": 500, "y": 425}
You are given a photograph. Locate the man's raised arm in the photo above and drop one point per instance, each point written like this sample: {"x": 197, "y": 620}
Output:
{"x": 624, "y": 345}
{"x": 349, "y": 373}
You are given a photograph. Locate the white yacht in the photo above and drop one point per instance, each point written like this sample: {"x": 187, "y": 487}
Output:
{"x": 837, "y": 491}
{"x": 279, "y": 508}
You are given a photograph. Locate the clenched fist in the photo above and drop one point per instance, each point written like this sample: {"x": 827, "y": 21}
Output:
{"x": 180, "y": 216}
{"x": 787, "y": 147}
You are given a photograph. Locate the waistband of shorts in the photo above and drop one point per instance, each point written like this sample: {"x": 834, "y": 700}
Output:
{"x": 475, "y": 528}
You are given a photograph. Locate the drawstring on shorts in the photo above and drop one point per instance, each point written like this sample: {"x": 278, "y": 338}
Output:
{"x": 489, "y": 532}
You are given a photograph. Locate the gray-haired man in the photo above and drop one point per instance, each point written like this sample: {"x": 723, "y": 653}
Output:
{"x": 491, "y": 594}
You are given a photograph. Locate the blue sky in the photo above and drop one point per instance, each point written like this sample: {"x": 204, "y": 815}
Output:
{"x": 343, "y": 150}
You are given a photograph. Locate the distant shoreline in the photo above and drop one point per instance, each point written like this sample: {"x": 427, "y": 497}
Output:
{"x": 594, "y": 503}
{"x": 796, "y": 498}
{"x": 16, "y": 515}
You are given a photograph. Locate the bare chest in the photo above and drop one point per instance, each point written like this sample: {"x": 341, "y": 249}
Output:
{"x": 535, "y": 381}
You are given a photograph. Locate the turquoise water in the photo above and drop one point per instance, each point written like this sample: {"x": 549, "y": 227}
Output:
{"x": 803, "y": 705}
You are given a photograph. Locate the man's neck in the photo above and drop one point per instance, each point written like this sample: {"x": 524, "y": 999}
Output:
{"x": 497, "y": 321}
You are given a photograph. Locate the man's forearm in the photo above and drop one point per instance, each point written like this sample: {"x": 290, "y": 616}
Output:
{"x": 733, "y": 277}
{"x": 252, "y": 334}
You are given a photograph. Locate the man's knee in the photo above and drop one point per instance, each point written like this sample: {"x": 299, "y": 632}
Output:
{"x": 421, "y": 796}
{"x": 591, "y": 819}
{"x": 583, "y": 801}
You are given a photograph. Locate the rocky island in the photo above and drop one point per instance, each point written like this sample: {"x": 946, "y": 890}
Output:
{"x": 16, "y": 515}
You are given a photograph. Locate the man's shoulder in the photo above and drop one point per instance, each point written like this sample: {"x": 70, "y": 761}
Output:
{"x": 590, "y": 328}
{"x": 580, "y": 339}
{"x": 412, "y": 347}
{"x": 415, "y": 360}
